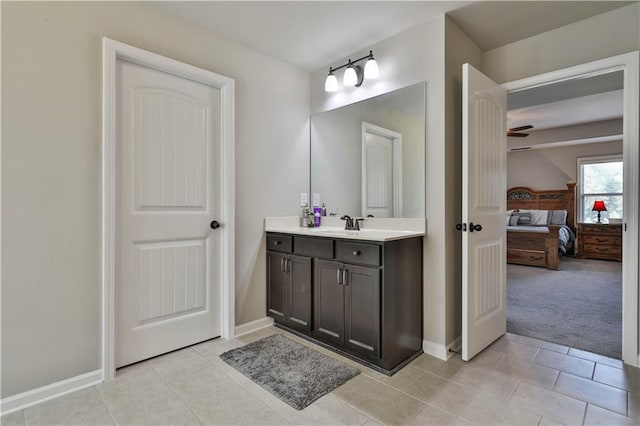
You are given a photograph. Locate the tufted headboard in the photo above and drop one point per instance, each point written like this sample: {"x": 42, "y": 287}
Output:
{"x": 521, "y": 197}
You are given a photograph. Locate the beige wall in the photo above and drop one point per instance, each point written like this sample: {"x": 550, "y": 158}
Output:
{"x": 552, "y": 168}
{"x": 459, "y": 49}
{"x": 407, "y": 58}
{"x": 601, "y": 36}
{"x": 419, "y": 54}
{"x": 51, "y": 165}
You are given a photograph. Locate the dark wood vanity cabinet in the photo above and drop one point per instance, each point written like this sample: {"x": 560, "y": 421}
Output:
{"x": 276, "y": 279}
{"x": 328, "y": 302}
{"x": 347, "y": 306}
{"x": 289, "y": 289}
{"x": 366, "y": 296}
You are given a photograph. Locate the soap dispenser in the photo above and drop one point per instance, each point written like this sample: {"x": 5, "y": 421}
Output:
{"x": 304, "y": 218}
{"x": 317, "y": 216}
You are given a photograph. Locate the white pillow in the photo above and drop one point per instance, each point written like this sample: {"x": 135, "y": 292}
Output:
{"x": 538, "y": 217}
{"x": 514, "y": 220}
{"x": 557, "y": 217}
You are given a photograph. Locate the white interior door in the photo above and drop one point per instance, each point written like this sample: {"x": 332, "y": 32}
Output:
{"x": 484, "y": 178}
{"x": 168, "y": 192}
{"x": 381, "y": 171}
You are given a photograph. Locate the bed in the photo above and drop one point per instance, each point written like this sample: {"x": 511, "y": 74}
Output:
{"x": 540, "y": 244}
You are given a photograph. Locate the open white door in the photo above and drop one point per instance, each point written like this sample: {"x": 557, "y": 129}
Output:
{"x": 484, "y": 179}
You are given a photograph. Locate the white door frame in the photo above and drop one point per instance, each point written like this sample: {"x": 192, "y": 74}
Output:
{"x": 113, "y": 50}
{"x": 397, "y": 165}
{"x": 629, "y": 64}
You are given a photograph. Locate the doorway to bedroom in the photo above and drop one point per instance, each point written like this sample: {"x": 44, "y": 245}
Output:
{"x": 565, "y": 208}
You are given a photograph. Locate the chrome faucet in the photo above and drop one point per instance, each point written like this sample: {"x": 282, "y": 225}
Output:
{"x": 351, "y": 224}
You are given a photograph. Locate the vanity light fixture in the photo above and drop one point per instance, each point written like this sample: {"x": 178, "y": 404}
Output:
{"x": 353, "y": 75}
{"x": 331, "y": 83}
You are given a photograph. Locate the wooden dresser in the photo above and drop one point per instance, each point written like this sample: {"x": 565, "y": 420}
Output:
{"x": 600, "y": 241}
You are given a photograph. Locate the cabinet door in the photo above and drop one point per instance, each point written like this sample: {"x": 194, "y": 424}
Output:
{"x": 329, "y": 302}
{"x": 362, "y": 310}
{"x": 276, "y": 286}
{"x": 299, "y": 292}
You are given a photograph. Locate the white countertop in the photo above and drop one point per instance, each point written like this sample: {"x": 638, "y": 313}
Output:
{"x": 402, "y": 228}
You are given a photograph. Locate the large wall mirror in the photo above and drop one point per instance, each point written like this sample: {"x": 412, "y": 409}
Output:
{"x": 368, "y": 158}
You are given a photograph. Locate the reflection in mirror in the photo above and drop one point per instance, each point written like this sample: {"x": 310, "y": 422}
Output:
{"x": 368, "y": 158}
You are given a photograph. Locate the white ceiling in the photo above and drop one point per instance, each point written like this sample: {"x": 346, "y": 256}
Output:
{"x": 495, "y": 23}
{"x": 308, "y": 34}
{"x": 568, "y": 112}
{"x": 569, "y": 102}
{"x": 312, "y": 34}
{"x": 567, "y": 89}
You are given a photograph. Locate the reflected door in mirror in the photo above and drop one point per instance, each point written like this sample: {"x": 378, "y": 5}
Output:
{"x": 381, "y": 171}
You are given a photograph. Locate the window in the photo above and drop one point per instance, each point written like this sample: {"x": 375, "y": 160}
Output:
{"x": 600, "y": 178}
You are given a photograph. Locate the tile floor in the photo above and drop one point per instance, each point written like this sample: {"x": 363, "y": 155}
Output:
{"x": 516, "y": 381}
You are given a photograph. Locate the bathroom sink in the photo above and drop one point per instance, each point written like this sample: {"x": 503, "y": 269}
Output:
{"x": 363, "y": 234}
{"x": 334, "y": 228}
{"x": 324, "y": 229}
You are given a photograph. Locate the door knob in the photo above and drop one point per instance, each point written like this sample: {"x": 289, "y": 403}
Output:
{"x": 476, "y": 227}
{"x": 215, "y": 224}
{"x": 461, "y": 227}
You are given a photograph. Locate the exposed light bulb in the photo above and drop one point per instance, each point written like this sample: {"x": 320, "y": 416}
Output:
{"x": 350, "y": 78}
{"x": 331, "y": 83}
{"x": 371, "y": 69}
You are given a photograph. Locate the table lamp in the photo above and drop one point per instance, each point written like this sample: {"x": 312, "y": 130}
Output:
{"x": 598, "y": 206}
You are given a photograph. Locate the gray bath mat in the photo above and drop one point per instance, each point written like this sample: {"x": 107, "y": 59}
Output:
{"x": 292, "y": 372}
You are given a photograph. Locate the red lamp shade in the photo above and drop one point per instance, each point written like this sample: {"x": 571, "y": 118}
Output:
{"x": 598, "y": 206}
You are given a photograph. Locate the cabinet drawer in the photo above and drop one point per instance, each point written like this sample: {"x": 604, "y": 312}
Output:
{"x": 527, "y": 257}
{"x": 278, "y": 242}
{"x": 366, "y": 254}
{"x": 602, "y": 229}
{"x": 524, "y": 243}
{"x": 606, "y": 240}
{"x": 313, "y": 247}
{"x": 593, "y": 248}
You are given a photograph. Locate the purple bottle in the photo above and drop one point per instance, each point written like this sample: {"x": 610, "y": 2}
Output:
{"x": 317, "y": 216}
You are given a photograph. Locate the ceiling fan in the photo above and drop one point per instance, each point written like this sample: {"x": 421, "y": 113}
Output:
{"x": 515, "y": 132}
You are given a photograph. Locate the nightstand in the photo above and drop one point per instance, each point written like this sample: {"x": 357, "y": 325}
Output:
{"x": 600, "y": 241}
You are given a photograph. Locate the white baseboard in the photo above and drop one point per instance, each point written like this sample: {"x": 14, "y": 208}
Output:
{"x": 252, "y": 326}
{"x": 441, "y": 351}
{"x": 45, "y": 393}
{"x": 435, "y": 349}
